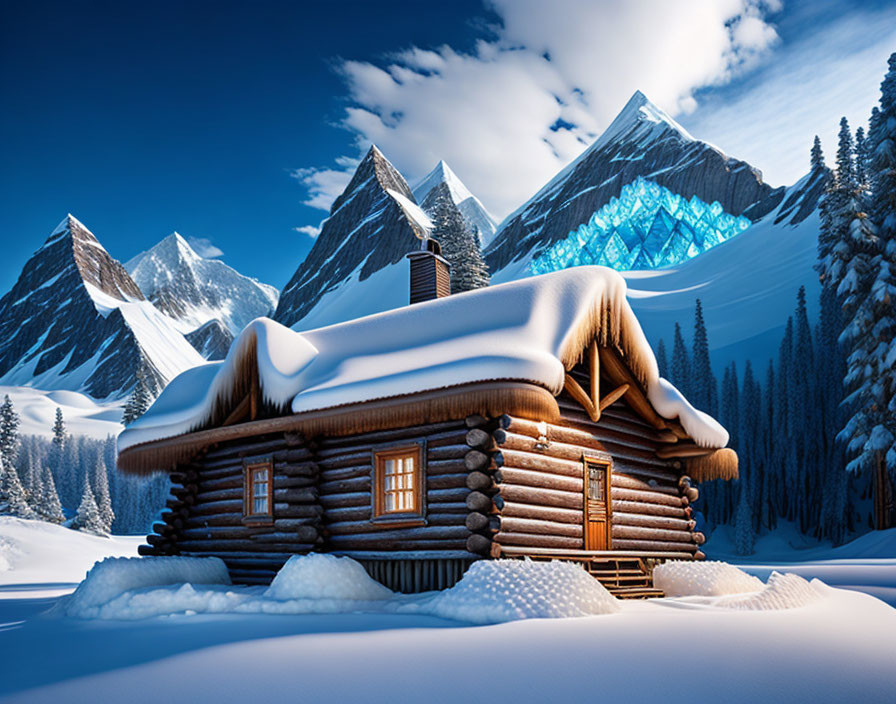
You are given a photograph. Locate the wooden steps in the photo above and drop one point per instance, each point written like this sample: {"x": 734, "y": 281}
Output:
{"x": 625, "y": 577}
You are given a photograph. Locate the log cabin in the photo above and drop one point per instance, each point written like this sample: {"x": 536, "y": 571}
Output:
{"x": 526, "y": 419}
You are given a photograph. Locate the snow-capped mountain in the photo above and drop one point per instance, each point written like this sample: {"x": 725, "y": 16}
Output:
{"x": 76, "y": 320}
{"x": 642, "y": 141}
{"x": 194, "y": 290}
{"x": 470, "y": 207}
{"x": 357, "y": 264}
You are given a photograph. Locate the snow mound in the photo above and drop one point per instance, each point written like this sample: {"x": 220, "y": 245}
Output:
{"x": 113, "y": 578}
{"x": 318, "y": 576}
{"x": 783, "y": 591}
{"x": 682, "y": 578}
{"x": 493, "y": 591}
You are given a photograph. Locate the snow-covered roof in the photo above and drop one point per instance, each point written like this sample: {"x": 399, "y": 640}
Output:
{"x": 531, "y": 330}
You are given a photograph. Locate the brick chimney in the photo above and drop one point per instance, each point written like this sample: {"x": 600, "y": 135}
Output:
{"x": 430, "y": 272}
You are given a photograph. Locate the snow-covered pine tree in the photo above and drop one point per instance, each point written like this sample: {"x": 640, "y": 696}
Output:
{"x": 703, "y": 389}
{"x": 877, "y": 313}
{"x": 826, "y": 203}
{"x": 13, "y": 500}
{"x": 140, "y": 399}
{"x": 9, "y": 431}
{"x": 861, "y": 161}
{"x": 661, "y": 359}
{"x": 88, "y": 518}
{"x": 49, "y": 508}
{"x": 70, "y": 474}
{"x": 59, "y": 429}
{"x": 865, "y": 288}
{"x": 460, "y": 246}
{"x": 681, "y": 365}
{"x": 103, "y": 498}
{"x": 27, "y": 468}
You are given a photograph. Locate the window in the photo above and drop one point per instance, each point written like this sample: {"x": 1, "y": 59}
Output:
{"x": 398, "y": 479}
{"x": 259, "y": 491}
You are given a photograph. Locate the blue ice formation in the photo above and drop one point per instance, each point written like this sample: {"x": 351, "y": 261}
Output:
{"x": 647, "y": 227}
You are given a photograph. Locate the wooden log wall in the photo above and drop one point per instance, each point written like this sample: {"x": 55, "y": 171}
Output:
{"x": 205, "y": 512}
{"x": 539, "y": 485}
{"x": 346, "y": 479}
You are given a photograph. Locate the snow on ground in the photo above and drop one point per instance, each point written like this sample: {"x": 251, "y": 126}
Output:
{"x": 43, "y": 558}
{"x": 790, "y": 641}
{"x": 326, "y": 625}
{"x": 82, "y": 414}
{"x": 866, "y": 564}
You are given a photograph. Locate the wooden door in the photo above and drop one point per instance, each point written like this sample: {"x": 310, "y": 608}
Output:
{"x": 598, "y": 507}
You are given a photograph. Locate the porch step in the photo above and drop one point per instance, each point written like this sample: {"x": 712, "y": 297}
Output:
{"x": 636, "y": 592}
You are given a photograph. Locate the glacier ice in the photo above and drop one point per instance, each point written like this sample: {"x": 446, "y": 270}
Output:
{"x": 646, "y": 227}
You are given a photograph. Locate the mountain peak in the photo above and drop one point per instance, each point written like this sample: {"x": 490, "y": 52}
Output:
{"x": 639, "y": 110}
{"x": 374, "y": 166}
{"x": 471, "y": 208}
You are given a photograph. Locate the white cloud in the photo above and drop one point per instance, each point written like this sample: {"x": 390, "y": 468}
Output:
{"x": 834, "y": 71}
{"x": 204, "y": 248}
{"x": 510, "y": 114}
{"x": 309, "y": 230}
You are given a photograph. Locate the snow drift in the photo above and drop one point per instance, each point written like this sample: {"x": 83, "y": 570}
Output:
{"x": 318, "y": 576}
{"x": 493, "y": 591}
{"x": 114, "y": 577}
{"x": 680, "y": 578}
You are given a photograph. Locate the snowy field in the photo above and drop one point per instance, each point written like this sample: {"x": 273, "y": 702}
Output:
{"x": 82, "y": 414}
{"x": 324, "y": 632}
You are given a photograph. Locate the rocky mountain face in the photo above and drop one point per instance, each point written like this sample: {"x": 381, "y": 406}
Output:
{"x": 211, "y": 340}
{"x": 476, "y": 216}
{"x": 372, "y": 225}
{"x": 76, "y": 320}
{"x": 643, "y": 141}
{"x": 195, "y": 291}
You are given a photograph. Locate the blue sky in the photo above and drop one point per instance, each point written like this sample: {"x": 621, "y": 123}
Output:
{"x": 236, "y": 123}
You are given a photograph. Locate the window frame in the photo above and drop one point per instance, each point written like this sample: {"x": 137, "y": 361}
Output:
{"x": 416, "y": 515}
{"x": 249, "y": 515}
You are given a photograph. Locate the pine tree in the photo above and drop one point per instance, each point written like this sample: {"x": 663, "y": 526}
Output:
{"x": 861, "y": 162}
{"x": 703, "y": 390}
{"x": 25, "y": 464}
{"x": 661, "y": 361}
{"x": 59, "y": 429}
{"x": 872, "y": 356}
{"x": 101, "y": 493}
{"x": 816, "y": 156}
{"x": 88, "y": 518}
{"x": 681, "y": 365}
{"x": 9, "y": 431}
{"x": 826, "y": 240}
{"x": 769, "y": 509}
{"x": 50, "y": 509}
{"x": 744, "y": 535}
{"x": 13, "y": 500}
{"x": 460, "y": 246}
{"x": 140, "y": 399}
{"x": 805, "y": 416}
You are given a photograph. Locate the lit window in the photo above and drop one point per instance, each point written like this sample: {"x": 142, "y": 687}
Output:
{"x": 259, "y": 491}
{"x": 398, "y": 482}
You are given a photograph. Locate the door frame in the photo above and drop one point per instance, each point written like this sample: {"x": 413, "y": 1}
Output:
{"x": 604, "y": 460}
